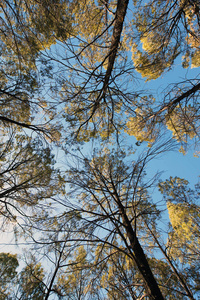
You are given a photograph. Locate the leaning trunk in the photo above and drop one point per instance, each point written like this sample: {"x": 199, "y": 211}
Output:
{"x": 151, "y": 284}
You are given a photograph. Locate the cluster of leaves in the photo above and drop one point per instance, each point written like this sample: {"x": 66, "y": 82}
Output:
{"x": 166, "y": 29}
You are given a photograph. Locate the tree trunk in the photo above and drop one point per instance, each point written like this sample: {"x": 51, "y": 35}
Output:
{"x": 151, "y": 284}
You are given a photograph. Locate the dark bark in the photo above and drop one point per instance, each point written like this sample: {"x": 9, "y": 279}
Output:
{"x": 172, "y": 104}
{"x": 115, "y": 40}
{"x": 118, "y": 26}
{"x": 151, "y": 285}
{"x": 54, "y": 275}
{"x": 35, "y": 128}
{"x": 117, "y": 30}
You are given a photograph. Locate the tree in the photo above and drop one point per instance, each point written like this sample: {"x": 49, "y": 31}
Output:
{"x": 89, "y": 83}
{"x": 28, "y": 28}
{"x": 73, "y": 283}
{"x": 90, "y": 95}
{"x": 26, "y": 284}
{"x": 111, "y": 195}
{"x": 27, "y": 176}
{"x": 9, "y": 264}
{"x": 114, "y": 198}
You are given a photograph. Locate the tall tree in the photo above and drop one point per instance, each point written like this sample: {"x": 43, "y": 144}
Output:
{"x": 115, "y": 199}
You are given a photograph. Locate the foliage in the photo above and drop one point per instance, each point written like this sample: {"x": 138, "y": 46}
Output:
{"x": 8, "y": 263}
{"x": 28, "y": 177}
{"x": 183, "y": 240}
{"x": 183, "y": 208}
{"x": 31, "y": 282}
{"x": 69, "y": 85}
{"x": 166, "y": 29}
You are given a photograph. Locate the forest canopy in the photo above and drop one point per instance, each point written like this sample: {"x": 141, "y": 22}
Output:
{"x": 92, "y": 94}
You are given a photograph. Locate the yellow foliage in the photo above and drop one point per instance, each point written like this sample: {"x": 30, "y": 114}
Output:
{"x": 182, "y": 127}
{"x": 195, "y": 60}
{"x": 137, "y": 127}
{"x": 185, "y": 220}
{"x": 146, "y": 65}
{"x": 160, "y": 44}
{"x": 182, "y": 220}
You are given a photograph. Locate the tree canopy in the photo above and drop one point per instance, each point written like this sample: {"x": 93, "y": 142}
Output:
{"x": 92, "y": 93}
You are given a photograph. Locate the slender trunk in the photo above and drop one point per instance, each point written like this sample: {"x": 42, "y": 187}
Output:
{"x": 54, "y": 276}
{"x": 115, "y": 40}
{"x": 117, "y": 30}
{"x": 151, "y": 284}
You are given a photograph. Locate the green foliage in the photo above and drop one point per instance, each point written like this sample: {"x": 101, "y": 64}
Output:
{"x": 8, "y": 273}
{"x": 166, "y": 279}
{"x": 162, "y": 31}
{"x": 179, "y": 115}
{"x": 184, "y": 213}
{"x": 29, "y": 27}
{"x": 31, "y": 284}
